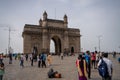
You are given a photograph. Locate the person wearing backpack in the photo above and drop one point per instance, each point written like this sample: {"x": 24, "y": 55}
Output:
{"x": 43, "y": 58}
{"x": 105, "y": 67}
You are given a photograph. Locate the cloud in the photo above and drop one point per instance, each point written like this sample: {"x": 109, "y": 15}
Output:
{"x": 92, "y": 17}
{"x": 63, "y": 1}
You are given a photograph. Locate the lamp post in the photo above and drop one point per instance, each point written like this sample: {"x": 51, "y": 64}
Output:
{"x": 99, "y": 41}
{"x": 95, "y": 48}
{"x": 119, "y": 48}
{"x": 9, "y": 29}
{"x": 9, "y": 36}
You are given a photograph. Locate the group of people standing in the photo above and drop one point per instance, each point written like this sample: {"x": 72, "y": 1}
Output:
{"x": 41, "y": 59}
{"x": 89, "y": 60}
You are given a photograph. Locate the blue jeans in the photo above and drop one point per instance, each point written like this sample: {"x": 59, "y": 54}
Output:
{"x": 21, "y": 63}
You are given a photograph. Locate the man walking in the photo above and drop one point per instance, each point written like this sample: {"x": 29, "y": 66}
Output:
{"x": 88, "y": 60}
{"x": 43, "y": 58}
{"x": 10, "y": 58}
{"x": 109, "y": 66}
{"x": 22, "y": 61}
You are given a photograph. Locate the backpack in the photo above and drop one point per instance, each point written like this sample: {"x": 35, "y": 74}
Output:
{"x": 103, "y": 69}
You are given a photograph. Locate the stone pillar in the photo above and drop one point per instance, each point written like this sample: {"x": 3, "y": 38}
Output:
{"x": 27, "y": 44}
{"x": 45, "y": 41}
{"x": 78, "y": 48}
{"x": 66, "y": 41}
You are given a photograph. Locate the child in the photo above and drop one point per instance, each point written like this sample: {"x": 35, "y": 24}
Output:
{"x": 2, "y": 70}
{"x": 22, "y": 61}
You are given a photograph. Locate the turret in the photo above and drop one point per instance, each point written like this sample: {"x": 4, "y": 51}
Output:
{"x": 44, "y": 16}
{"x": 65, "y": 18}
{"x": 44, "y": 22}
{"x": 65, "y": 21}
{"x": 40, "y": 22}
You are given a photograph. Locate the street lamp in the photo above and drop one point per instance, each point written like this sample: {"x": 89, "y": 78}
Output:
{"x": 99, "y": 45}
{"x": 9, "y": 36}
{"x": 9, "y": 47}
{"x": 119, "y": 47}
{"x": 95, "y": 48}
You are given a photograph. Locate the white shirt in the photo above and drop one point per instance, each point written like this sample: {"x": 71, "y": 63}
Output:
{"x": 97, "y": 56}
{"x": 61, "y": 54}
{"x": 22, "y": 57}
{"x": 109, "y": 65}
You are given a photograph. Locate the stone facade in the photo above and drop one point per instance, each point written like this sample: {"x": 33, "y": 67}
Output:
{"x": 39, "y": 36}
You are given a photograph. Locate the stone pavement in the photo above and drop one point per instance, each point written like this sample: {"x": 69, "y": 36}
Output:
{"x": 66, "y": 67}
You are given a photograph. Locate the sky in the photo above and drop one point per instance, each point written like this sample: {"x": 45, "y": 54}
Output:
{"x": 94, "y": 18}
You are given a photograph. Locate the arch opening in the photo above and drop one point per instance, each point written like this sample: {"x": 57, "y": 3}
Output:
{"x": 52, "y": 47}
{"x": 72, "y": 49}
{"x": 55, "y": 45}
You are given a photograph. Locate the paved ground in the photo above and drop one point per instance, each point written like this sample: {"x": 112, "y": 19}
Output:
{"x": 66, "y": 67}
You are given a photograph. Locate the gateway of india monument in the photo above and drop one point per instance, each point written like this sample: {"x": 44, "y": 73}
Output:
{"x": 38, "y": 37}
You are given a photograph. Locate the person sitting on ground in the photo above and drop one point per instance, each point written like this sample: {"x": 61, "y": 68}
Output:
{"x": 53, "y": 74}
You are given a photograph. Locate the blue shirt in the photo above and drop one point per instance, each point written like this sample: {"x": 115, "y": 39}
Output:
{"x": 87, "y": 58}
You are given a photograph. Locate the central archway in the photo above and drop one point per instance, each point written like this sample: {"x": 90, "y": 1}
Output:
{"x": 57, "y": 44}
{"x": 52, "y": 47}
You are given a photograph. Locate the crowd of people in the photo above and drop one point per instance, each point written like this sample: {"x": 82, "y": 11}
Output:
{"x": 84, "y": 63}
{"x": 88, "y": 60}
{"x": 40, "y": 58}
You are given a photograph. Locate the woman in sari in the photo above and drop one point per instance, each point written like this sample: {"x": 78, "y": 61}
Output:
{"x": 82, "y": 68}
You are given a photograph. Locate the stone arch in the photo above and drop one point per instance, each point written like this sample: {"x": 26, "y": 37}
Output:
{"x": 35, "y": 43}
{"x": 58, "y": 44}
{"x": 72, "y": 49}
{"x": 35, "y": 46}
